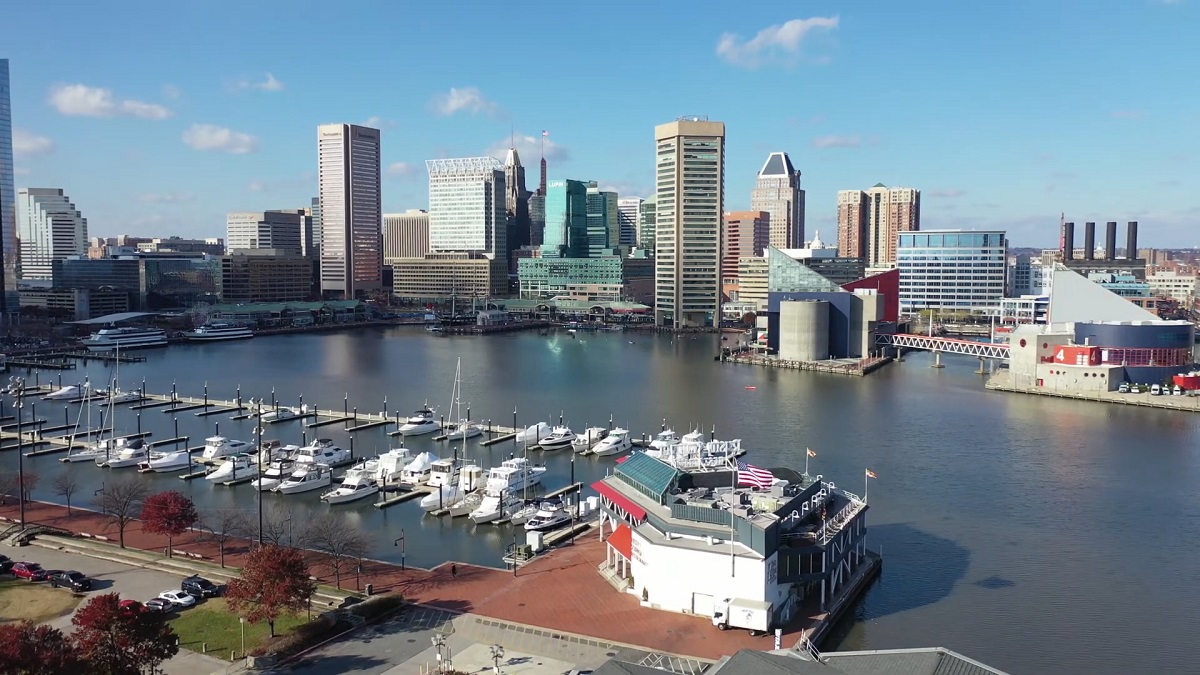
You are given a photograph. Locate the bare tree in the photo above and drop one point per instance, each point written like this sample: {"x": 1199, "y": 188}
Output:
{"x": 27, "y": 485}
{"x": 343, "y": 543}
{"x": 65, "y": 485}
{"x": 121, "y": 500}
{"x": 279, "y": 530}
{"x": 8, "y": 486}
{"x": 223, "y": 525}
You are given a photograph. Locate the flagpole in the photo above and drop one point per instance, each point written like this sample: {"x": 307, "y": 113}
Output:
{"x": 806, "y": 456}
{"x": 866, "y": 483}
{"x": 732, "y": 528}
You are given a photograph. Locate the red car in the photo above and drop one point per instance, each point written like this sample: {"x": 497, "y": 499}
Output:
{"x": 28, "y": 570}
{"x": 131, "y": 606}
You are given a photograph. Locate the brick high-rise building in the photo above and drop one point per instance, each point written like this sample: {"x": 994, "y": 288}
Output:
{"x": 745, "y": 233}
{"x": 870, "y": 221}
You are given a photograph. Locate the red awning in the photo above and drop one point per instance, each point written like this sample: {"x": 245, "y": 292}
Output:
{"x": 610, "y": 493}
{"x": 621, "y": 460}
{"x": 622, "y": 541}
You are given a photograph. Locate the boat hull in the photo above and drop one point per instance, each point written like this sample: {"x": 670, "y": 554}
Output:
{"x": 468, "y": 433}
{"x": 106, "y": 346}
{"x": 162, "y": 467}
{"x": 547, "y": 526}
{"x": 265, "y": 484}
{"x": 556, "y": 444}
{"x": 346, "y": 497}
{"x": 216, "y": 338}
{"x": 418, "y": 429}
{"x": 297, "y": 488}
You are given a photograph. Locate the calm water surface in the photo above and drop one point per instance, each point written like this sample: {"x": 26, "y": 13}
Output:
{"x": 1033, "y": 534}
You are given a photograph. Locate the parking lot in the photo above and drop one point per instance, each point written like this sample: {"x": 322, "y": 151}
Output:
{"x": 132, "y": 583}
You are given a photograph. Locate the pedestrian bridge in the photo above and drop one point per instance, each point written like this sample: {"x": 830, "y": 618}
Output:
{"x": 983, "y": 350}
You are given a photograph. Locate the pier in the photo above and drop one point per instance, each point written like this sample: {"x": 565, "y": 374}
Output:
{"x": 855, "y": 367}
{"x": 404, "y": 496}
{"x": 1002, "y": 381}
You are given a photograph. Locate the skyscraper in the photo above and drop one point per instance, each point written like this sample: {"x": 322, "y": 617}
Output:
{"x": 690, "y": 201}
{"x": 745, "y": 234}
{"x": 50, "y": 227}
{"x": 629, "y": 210}
{"x": 566, "y": 234}
{"x": 870, "y": 221}
{"x": 852, "y": 224}
{"x": 405, "y": 235}
{"x": 602, "y": 226}
{"x": 8, "y": 202}
{"x": 351, "y": 210}
{"x": 467, "y": 209}
{"x": 647, "y": 227}
{"x": 777, "y": 191}
{"x": 516, "y": 202}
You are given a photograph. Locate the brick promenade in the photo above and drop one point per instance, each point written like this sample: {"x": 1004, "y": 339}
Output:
{"x": 560, "y": 591}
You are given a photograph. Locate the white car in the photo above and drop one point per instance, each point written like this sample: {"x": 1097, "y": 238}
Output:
{"x": 178, "y": 598}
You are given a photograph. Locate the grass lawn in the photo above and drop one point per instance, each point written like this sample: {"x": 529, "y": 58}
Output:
{"x": 21, "y": 600}
{"x": 212, "y": 622}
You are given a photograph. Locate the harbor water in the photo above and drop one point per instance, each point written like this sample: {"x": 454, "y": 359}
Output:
{"x": 1033, "y": 534}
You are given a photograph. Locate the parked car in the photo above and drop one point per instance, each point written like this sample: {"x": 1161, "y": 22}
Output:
{"x": 76, "y": 581}
{"x": 28, "y": 570}
{"x": 157, "y": 605}
{"x": 131, "y": 606}
{"x": 199, "y": 587}
{"x": 6, "y": 564}
{"x": 177, "y": 598}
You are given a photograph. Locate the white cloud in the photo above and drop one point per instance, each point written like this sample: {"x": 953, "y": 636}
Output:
{"x": 467, "y": 99}
{"x": 401, "y": 169}
{"x": 28, "y": 144}
{"x": 271, "y": 84}
{"x": 837, "y": 142}
{"x": 377, "y": 122}
{"x": 781, "y": 42}
{"x": 530, "y": 148}
{"x": 80, "y": 100}
{"x": 948, "y": 193}
{"x": 221, "y": 139}
{"x": 628, "y": 189}
{"x": 166, "y": 198}
{"x": 256, "y": 186}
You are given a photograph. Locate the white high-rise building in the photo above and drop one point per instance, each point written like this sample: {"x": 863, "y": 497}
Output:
{"x": 690, "y": 204}
{"x": 406, "y": 235}
{"x": 777, "y": 191}
{"x": 351, "y": 210}
{"x": 952, "y": 270}
{"x": 50, "y": 228}
{"x": 467, "y": 210}
{"x": 629, "y": 211}
{"x": 9, "y": 299}
{"x": 280, "y": 230}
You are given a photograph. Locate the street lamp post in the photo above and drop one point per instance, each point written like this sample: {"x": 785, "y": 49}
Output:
{"x": 497, "y": 656}
{"x": 258, "y": 427}
{"x": 400, "y": 542}
{"x": 242, "y": 621}
{"x": 19, "y": 405}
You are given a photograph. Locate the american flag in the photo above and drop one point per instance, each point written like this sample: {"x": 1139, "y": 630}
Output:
{"x": 545, "y": 134}
{"x": 754, "y": 476}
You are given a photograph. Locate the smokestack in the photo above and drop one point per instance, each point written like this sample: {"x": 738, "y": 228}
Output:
{"x": 1089, "y": 241}
{"x": 1068, "y": 241}
{"x": 1131, "y": 240}
{"x": 1110, "y": 240}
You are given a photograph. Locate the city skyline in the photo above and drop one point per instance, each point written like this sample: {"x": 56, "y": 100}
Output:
{"x": 149, "y": 146}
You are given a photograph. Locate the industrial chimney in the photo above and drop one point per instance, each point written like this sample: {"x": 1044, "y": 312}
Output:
{"x": 1068, "y": 241}
{"x": 1089, "y": 241}
{"x": 1110, "y": 240}
{"x": 1131, "y": 251}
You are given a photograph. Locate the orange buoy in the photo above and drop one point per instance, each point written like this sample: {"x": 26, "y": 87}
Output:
{"x": 751, "y": 388}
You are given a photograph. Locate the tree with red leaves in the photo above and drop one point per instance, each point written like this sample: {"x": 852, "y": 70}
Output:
{"x": 115, "y": 641}
{"x": 274, "y": 580}
{"x": 29, "y": 649}
{"x": 168, "y": 513}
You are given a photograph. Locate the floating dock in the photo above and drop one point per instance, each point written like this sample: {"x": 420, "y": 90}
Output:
{"x": 855, "y": 367}
{"x": 405, "y": 496}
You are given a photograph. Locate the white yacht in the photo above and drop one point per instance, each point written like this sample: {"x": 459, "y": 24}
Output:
{"x": 219, "y": 447}
{"x": 117, "y": 395}
{"x": 448, "y": 495}
{"x": 390, "y": 466}
{"x": 531, "y": 434}
{"x": 515, "y": 475}
{"x": 67, "y": 393}
{"x": 418, "y": 471}
{"x": 232, "y": 468}
{"x": 323, "y": 451}
{"x": 171, "y": 460}
{"x": 305, "y": 478}
{"x": 464, "y": 430}
{"x": 279, "y": 414}
{"x": 590, "y": 437}
{"x": 359, "y": 482}
{"x": 495, "y": 506}
{"x": 420, "y": 422}
{"x": 214, "y": 332}
{"x": 662, "y": 440}
{"x": 132, "y": 453}
{"x": 275, "y": 473}
{"x": 561, "y": 437}
{"x": 616, "y": 442}
{"x": 550, "y": 516}
{"x": 107, "y": 339}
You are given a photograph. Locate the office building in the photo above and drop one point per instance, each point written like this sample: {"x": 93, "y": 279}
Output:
{"x": 516, "y": 203}
{"x": 607, "y": 279}
{"x": 603, "y": 229}
{"x": 689, "y": 204}
{"x": 869, "y": 222}
{"x": 76, "y": 304}
{"x": 314, "y": 210}
{"x": 647, "y": 227}
{"x": 952, "y": 271}
{"x": 265, "y": 275}
{"x": 467, "y": 212}
{"x": 50, "y": 228}
{"x": 442, "y": 276}
{"x": 566, "y": 233}
{"x": 1028, "y": 276}
{"x": 746, "y": 233}
{"x": 1174, "y": 285}
{"x": 405, "y": 235}
{"x": 9, "y": 254}
{"x": 351, "y": 261}
{"x": 154, "y": 281}
{"x": 277, "y": 230}
{"x": 752, "y": 281}
{"x": 629, "y": 211}
{"x": 537, "y": 218}
{"x": 777, "y": 191}
{"x": 209, "y": 246}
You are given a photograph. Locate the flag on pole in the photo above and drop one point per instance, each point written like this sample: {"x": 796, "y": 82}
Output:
{"x": 811, "y": 453}
{"x": 754, "y": 476}
{"x": 871, "y": 474}
{"x": 545, "y": 134}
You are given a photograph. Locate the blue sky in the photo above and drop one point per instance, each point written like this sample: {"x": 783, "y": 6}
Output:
{"x": 159, "y": 119}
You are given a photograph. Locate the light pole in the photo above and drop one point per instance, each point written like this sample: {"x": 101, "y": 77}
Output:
{"x": 20, "y": 455}
{"x": 242, "y": 621}
{"x": 400, "y": 542}
{"x": 497, "y": 656}
{"x": 258, "y": 426}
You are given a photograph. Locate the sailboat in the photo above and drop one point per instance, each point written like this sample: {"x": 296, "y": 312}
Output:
{"x": 102, "y": 447}
{"x": 465, "y": 428}
{"x": 114, "y": 393}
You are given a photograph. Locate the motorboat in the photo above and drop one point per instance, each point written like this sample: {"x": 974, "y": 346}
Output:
{"x": 306, "y": 478}
{"x": 590, "y": 436}
{"x": 662, "y": 440}
{"x": 420, "y": 422}
{"x": 495, "y": 506}
{"x": 464, "y": 430}
{"x": 279, "y": 414}
{"x": 232, "y": 468}
{"x": 219, "y": 447}
{"x": 171, "y": 460}
{"x": 116, "y": 395}
{"x": 359, "y": 482}
{"x": 616, "y": 442}
{"x": 448, "y": 495}
{"x": 530, "y": 435}
{"x": 390, "y": 466}
{"x": 216, "y": 332}
{"x": 443, "y": 472}
{"x": 514, "y": 475}
{"x": 270, "y": 451}
{"x": 560, "y": 437}
{"x": 550, "y": 516}
{"x": 275, "y": 473}
{"x": 468, "y": 504}
{"x": 523, "y": 514}
{"x": 323, "y": 451}
{"x": 132, "y": 453}
{"x": 108, "y": 339}
{"x": 418, "y": 471}
{"x": 67, "y": 393}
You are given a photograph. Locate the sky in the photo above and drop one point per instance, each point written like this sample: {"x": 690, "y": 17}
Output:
{"x": 159, "y": 118}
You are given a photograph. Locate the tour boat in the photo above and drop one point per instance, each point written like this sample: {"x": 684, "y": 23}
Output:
{"x": 171, "y": 460}
{"x": 550, "y": 516}
{"x": 305, "y": 478}
{"x": 215, "y": 332}
{"x": 420, "y": 422}
{"x": 233, "y": 468}
{"x": 107, "y": 339}
{"x": 275, "y": 473}
{"x": 323, "y": 451}
{"x": 132, "y": 453}
{"x": 560, "y": 437}
{"x": 359, "y": 482}
{"x": 219, "y": 447}
{"x": 616, "y": 442}
{"x": 590, "y": 436}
